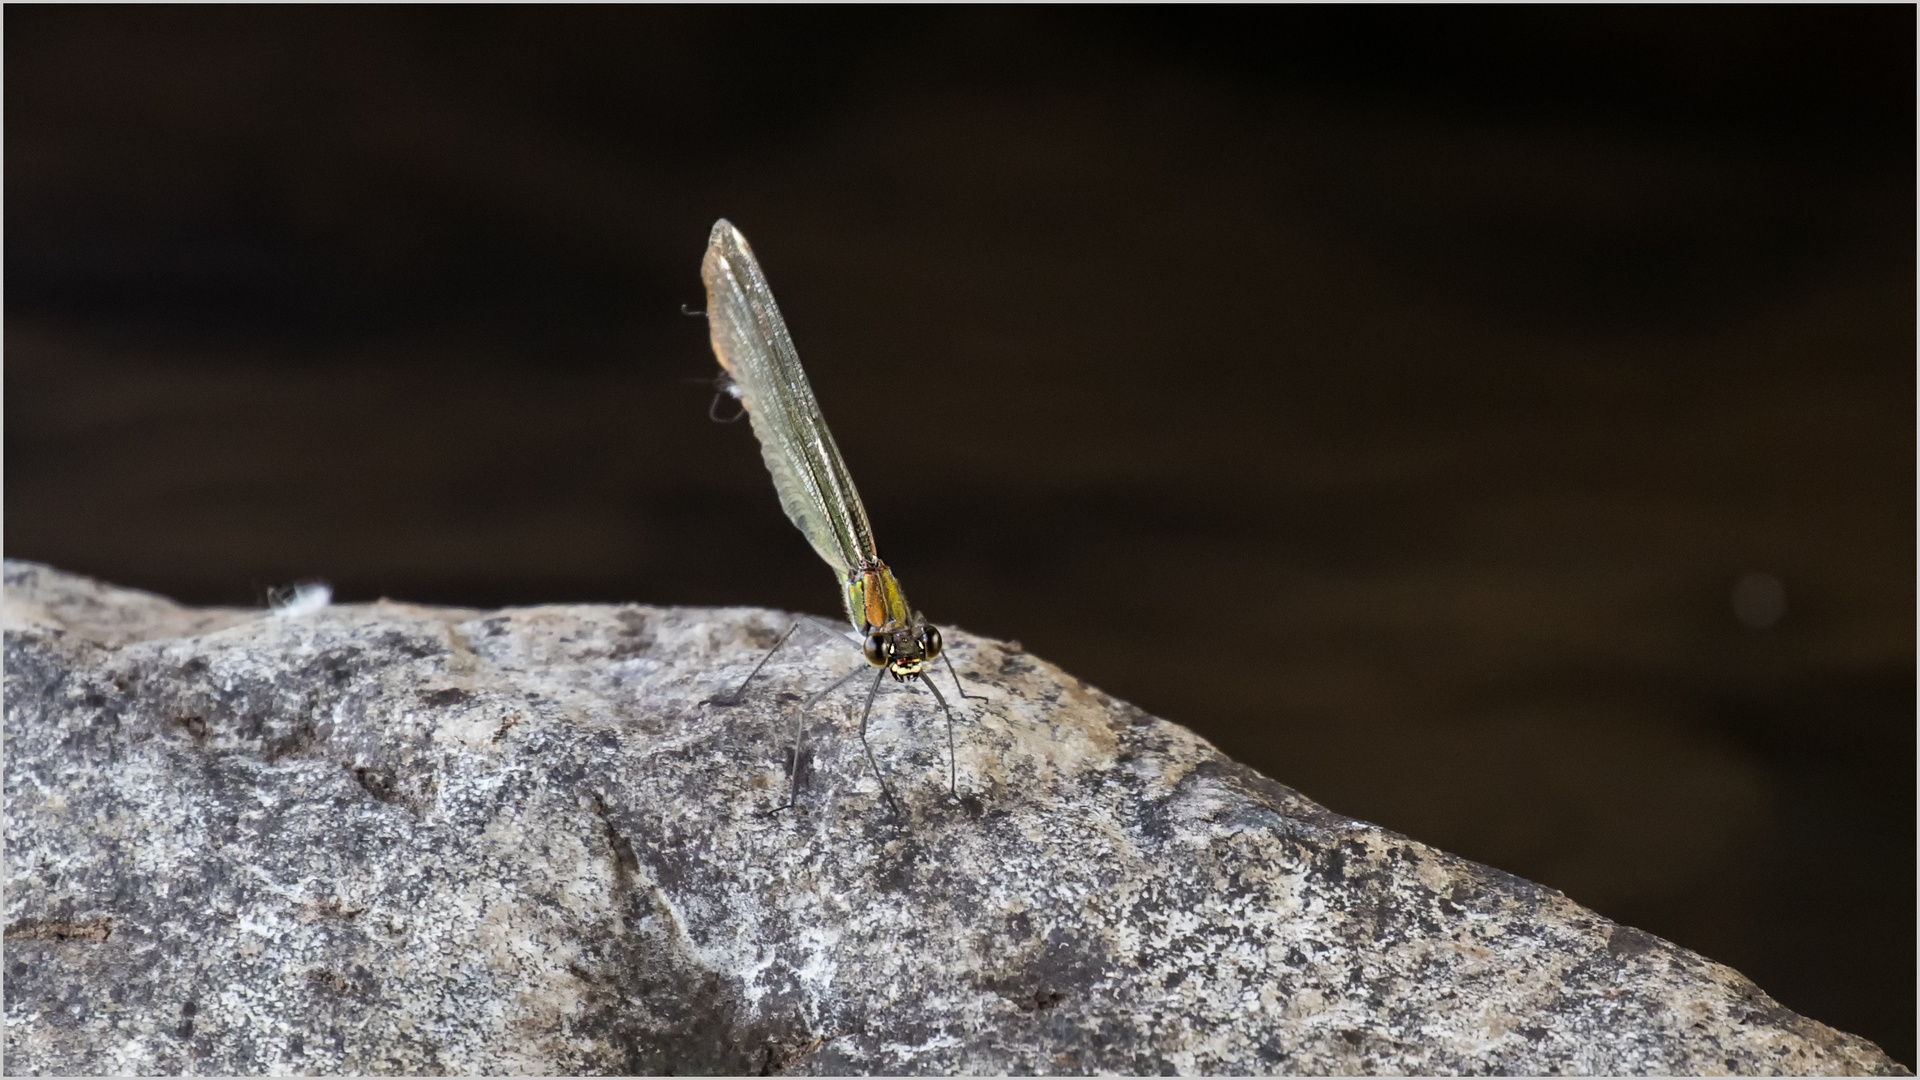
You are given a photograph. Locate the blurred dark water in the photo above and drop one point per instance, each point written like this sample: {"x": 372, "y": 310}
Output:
{"x": 1395, "y": 396}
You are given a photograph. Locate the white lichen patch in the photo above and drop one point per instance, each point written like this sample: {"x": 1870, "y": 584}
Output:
{"x": 396, "y": 839}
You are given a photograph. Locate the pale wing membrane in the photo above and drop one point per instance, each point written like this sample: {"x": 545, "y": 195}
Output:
{"x": 751, "y": 341}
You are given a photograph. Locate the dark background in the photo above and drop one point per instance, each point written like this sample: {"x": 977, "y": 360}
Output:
{"x": 1393, "y": 396}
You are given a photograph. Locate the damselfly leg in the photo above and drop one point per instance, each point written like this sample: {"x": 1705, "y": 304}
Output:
{"x": 739, "y": 694}
{"x": 953, "y": 766}
{"x": 799, "y": 738}
{"x": 947, "y": 658}
{"x": 875, "y": 765}
{"x": 799, "y": 718}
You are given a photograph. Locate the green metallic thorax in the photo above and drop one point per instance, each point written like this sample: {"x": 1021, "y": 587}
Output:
{"x": 875, "y": 605}
{"x": 874, "y": 600}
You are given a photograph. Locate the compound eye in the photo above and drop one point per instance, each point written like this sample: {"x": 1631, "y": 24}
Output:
{"x": 875, "y": 648}
{"x": 930, "y": 641}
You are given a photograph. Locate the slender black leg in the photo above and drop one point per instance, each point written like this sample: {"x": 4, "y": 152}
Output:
{"x": 961, "y": 690}
{"x": 878, "y": 775}
{"x": 835, "y": 685}
{"x": 799, "y": 738}
{"x": 800, "y": 714}
{"x": 734, "y": 698}
{"x": 953, "y": 768}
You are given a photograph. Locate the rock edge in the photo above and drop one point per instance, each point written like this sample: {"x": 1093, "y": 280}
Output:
{"x": 399, "y": 839}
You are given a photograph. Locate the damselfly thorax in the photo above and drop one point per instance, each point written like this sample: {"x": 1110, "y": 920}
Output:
{"x": 893, "y": 635}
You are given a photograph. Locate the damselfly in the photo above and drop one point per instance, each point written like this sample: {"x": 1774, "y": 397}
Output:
{"x": 761, "y": 369}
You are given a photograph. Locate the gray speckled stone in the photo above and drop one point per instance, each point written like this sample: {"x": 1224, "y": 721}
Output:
{"x": 387, "y": 838}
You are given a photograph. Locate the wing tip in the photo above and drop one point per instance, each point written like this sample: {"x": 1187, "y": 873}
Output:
{"x": 725, "y": 248}
{"x": 724, "y": 235}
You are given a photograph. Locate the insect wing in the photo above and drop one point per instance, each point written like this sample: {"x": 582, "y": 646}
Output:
{"x": 752, "y": 344}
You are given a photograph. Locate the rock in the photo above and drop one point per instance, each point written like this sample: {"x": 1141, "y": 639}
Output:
{"x": 397, "y": 839}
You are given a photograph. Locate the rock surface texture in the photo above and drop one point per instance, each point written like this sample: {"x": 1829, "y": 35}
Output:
{"x": 396, "y": 839}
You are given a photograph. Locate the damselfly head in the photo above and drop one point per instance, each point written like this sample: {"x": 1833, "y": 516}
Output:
{"x": 904, "y": 652}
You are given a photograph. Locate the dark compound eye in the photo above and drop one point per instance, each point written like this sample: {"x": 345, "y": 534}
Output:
{"x": 875, "y": 648}
{"x": 930, "y": 641}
